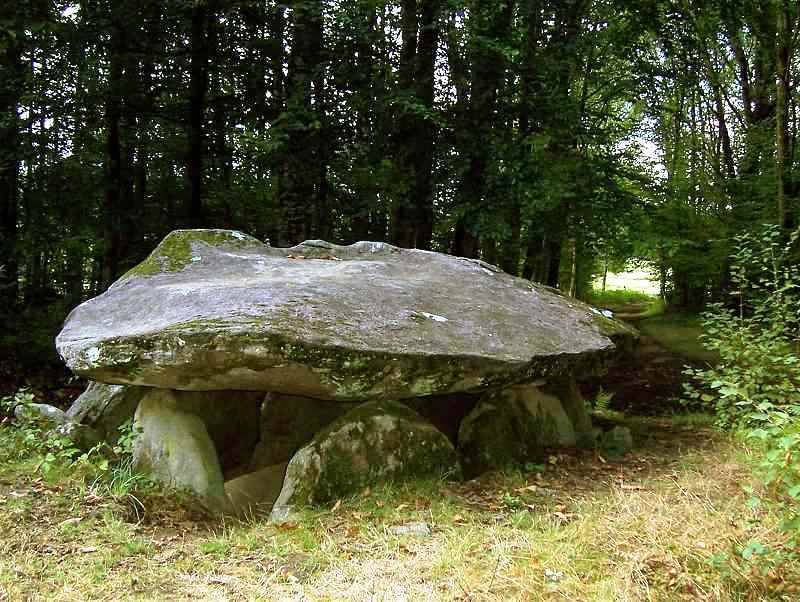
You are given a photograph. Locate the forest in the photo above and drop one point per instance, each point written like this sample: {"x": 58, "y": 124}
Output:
{"x": 564, "y": 141}
{"x": 554, "y": 139}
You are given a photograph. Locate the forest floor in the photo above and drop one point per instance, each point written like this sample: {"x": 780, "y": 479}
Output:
{"x": 666, "y": 522}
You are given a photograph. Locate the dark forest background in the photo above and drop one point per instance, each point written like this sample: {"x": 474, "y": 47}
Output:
{"x": 554, "y": 138}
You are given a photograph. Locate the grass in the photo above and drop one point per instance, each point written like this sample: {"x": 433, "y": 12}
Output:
{"x": 627, "y": 304}
{"x": 666, "y": 523}
{"x": 619, "y": 297}
{"x": 678, "y": 333}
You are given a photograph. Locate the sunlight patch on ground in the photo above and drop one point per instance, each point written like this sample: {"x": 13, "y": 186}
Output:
{"x": 633, "y": 280}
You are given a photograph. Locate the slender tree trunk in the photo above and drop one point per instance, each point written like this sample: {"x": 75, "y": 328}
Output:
{"x": 301, "y": 178}
{"x": 11, "y": 78}
{"x": 426, "y": 131}
{"x": 533, "y": 255}
{"x": 276, "y": 22}
{"x": 198, "y": 89}
{"x": 491, "y": 24}
{"x": 783, "y": 93}
{"x": 404, "y": 203}
{"x": 553, "y": 263}
{"x": 113, "y": 158}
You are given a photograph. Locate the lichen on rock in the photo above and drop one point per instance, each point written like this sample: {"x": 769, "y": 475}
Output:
{"x": 512, "y": 427}
{"x": 183, "y": 247}
{"x": 373, "y": 443}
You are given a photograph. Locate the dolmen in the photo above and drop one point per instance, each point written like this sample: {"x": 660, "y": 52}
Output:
{"x": 274, "y": 378}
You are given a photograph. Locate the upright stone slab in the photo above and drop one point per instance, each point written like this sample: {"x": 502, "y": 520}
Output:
{"x": 174, "y": 447}
{"x": 372, "y": 444}
{"x": 513, "y": 426}
{"x": 105, "y": 408}
{"x": 288, "y": 422}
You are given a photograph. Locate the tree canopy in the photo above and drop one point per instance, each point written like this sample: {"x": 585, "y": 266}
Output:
{"x": 549, "y": 137}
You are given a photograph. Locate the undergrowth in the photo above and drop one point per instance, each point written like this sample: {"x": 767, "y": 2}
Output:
{"x": 754, "y": 389}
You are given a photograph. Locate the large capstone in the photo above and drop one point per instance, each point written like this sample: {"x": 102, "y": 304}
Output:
{"x": 219, "y": 310}
{"x": 374, "y": 443}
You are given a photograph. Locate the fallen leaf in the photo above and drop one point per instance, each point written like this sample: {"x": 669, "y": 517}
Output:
{"x": 87, "y": 550}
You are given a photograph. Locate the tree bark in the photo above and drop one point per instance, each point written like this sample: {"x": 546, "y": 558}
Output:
{"x": 198, "y": 89}
{"x": 301, "y": 192}
{"x": 783, "y": 93}
{"x": 11, "y": 81}
{"x": 426, "y": 129}
{"x": 403, "y": 205}
{"x": 113, "y": 153}
{"x": 490, "y": 26}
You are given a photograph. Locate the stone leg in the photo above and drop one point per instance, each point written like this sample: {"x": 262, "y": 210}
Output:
{"x": 567, "y": 391}
{"x": 512, "y": 426}
{"x": 174, "y": 447}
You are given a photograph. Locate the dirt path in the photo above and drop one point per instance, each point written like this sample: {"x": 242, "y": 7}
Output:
{"x": 648, "y": 384}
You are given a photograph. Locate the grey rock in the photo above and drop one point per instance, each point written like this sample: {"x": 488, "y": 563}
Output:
{"x": 289, "y": 422}
{"x": 80, "y": 435}
{"x": 218, "y": 310}
{"x": 566, "y": 389}
{"x": 40, "y": 413}
{"x": 374, "y": 443}
{"x": 415, "y": 529}
{"x": 512, "y": 426}
{"x": 105, "y": 408}
{"x": 617, "y": 442}
{"x": 174, "y": 448}
{"x": 255, "y": 492}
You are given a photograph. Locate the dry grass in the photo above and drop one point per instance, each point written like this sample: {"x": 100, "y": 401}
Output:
{"x": 583, "y": 528}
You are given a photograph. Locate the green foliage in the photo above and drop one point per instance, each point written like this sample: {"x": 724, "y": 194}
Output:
{"x": 602, "y": 401}
{"x": 52, "y": 455}
{"x": 619, "y": 297}
{"x": 755, "y": 387}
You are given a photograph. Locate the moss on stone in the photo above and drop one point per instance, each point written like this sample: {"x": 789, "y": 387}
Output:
{"x": 373, "y": 443}
{"x": 177, "y": 250}
{"x": 512, "y": 427}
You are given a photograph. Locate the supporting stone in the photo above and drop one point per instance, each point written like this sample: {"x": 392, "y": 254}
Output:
{"x": 106, "y": 407}
{"x": 255, "y": 492}
{"x": 288, "y": 422}
{"x": 174, "y": 447}
{"x": 566, "y": 389}
{"x": 376, "y": 442}
{"x": 512, "y": 426}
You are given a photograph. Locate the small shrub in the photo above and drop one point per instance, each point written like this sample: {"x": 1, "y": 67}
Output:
{"x": 36, "y": 441}
{"x": 755, "y": 387}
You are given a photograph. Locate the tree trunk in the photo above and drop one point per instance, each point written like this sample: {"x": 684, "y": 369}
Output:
{"x": 113, "y": 156}
{"x": 490, "y": 24}
{"x": 783, "y": 93}
{"x": 426, "y": 131}
{"x": 302, "y": 172}
{"x": 403, "y": 204}
{"x": 198, "y": 89}
{"x": 553, "y": 263}
{"x": 11, "y": 81}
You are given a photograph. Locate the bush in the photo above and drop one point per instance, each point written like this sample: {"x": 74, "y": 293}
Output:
{"x": 53, "y": 455}
{"x": 755, "y": 387}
